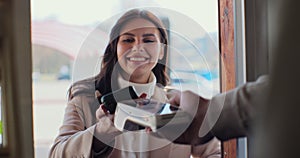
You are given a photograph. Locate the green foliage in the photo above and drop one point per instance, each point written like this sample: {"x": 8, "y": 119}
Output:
{"x": 0, "y": 127}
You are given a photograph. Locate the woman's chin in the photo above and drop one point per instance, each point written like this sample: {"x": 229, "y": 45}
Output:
{"x": 140, "y": 76}
{"x": 140, "y": 69}
{"x": 140, "y": 72}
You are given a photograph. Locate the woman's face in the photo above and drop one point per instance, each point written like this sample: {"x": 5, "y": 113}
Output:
{"x": 139, "y": 49}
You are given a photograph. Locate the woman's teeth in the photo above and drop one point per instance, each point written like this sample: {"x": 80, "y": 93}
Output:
{"x": 137, "y": 59}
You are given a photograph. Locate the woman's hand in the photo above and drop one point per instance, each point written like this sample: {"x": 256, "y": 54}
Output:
{"x": 102, "y": 111}
{"x": 105, "y": 130}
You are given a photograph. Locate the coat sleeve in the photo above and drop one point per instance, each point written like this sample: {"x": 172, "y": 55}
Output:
{"x": 238, "y": 109}
{"x": 211, "y": 149}
{"x": 74, "y": 139}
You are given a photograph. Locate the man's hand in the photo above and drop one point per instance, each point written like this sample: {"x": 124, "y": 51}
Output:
{"x": 196, "y": 106}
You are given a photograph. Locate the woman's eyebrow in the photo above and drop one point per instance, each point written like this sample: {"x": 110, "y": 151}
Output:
{"x": 148, "y": 34}
{"x": 126, "y": 33}
{"x": 144, "y": 35}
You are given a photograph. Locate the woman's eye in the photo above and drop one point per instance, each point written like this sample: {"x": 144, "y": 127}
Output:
{"x": 149, "y": 40}
{"x": 128, "y": 40}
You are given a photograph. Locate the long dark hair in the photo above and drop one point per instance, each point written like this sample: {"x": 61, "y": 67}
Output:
{"x": 104, "y": 79}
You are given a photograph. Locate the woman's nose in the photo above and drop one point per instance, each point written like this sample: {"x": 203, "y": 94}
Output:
{"x": 137, "y": 47}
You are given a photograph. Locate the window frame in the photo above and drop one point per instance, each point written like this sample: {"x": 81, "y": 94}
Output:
{"x": 16, "y": 79}
{"x": 246, "y": 57}
{"x": 15, "y": 66}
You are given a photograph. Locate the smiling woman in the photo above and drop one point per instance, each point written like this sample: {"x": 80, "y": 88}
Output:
{"x": 136, "y": 55}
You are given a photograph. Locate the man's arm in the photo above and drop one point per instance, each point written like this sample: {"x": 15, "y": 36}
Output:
{"x": 239, "y": 109}
{"x": 225, "y": 116}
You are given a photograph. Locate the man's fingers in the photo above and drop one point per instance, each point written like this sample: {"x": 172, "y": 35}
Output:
{"x": 174, "y": 97}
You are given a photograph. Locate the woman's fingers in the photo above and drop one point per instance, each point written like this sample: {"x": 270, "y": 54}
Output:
{"x": 99, "y": 112}
{"x": 102, "y": 111}
{"x": 97, "y": 94}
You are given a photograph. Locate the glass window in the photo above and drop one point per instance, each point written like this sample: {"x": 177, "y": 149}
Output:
{"x": 59, "y": 32}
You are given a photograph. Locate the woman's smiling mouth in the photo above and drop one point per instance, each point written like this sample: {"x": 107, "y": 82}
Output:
{"x": 137, "y": 59}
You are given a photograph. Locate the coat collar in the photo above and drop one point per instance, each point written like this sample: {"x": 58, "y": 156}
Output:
{"x": 147, "y": 88}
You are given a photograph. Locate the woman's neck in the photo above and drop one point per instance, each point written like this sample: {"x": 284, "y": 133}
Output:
{"x": 136, "y": 78}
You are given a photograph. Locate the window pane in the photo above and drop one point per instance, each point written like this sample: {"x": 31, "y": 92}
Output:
{"x": 58, "y": 34}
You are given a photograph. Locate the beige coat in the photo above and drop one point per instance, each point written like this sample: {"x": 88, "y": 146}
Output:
{"x": 77, "y": 132}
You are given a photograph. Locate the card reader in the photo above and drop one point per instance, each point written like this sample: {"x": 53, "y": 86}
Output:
{"x": 148, "y": 113}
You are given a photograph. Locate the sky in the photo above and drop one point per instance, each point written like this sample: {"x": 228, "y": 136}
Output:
{"x": 88, "y": 12}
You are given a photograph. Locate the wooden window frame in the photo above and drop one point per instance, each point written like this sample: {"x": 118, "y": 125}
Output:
{"x": 227, "y": 61}
{"x": 236, "y": 39}
{"x": 16, "y": 81}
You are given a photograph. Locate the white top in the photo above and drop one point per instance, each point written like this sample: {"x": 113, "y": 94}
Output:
{"x": 147, "y": 88}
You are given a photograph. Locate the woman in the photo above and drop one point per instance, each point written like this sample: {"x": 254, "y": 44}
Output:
{"x": 136, "y": 55}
